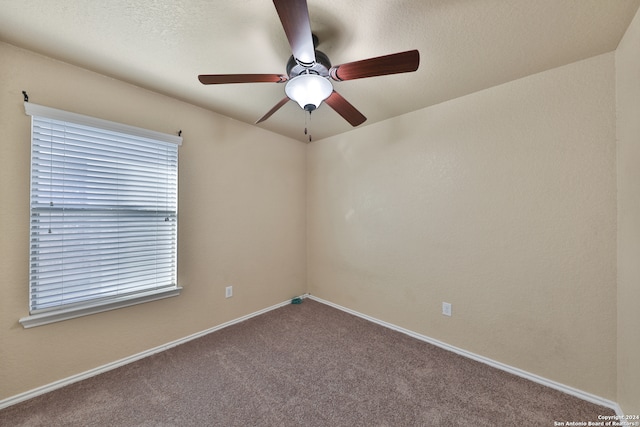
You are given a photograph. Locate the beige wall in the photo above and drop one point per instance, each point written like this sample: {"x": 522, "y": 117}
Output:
{"x": 502, "y": 203}
{"x": 628, "y": 110}
{"x": 241, "y": 223}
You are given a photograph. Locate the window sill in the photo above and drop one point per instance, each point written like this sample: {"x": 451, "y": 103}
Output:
{"x": 87, "y": 309}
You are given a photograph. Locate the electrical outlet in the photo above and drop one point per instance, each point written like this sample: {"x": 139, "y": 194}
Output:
{"x": 228, "y": 292}
{"x": 446, "y": 309}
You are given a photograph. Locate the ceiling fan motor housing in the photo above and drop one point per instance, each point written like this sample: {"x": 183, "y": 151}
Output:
{"x": 320, "y": 67}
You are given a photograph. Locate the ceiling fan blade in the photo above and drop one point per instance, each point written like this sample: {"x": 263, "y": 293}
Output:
{"x": 345, "y": 109}
{"x": 273, "y": 110}
{"x": 214, "y": 79}
{"x": 294, "y": 16}
{"x": 402, "y": 62}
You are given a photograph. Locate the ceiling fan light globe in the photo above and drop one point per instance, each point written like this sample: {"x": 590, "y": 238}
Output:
{"x": 308, "y": 90}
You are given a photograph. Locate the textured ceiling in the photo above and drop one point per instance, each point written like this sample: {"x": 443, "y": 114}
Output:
{"x": 465, "y": 46}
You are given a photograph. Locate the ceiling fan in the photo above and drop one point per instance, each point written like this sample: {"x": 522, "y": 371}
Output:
{"x": 309, "y": 71}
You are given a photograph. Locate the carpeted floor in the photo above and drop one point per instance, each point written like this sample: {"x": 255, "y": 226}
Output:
{"x": 303, "y": 365}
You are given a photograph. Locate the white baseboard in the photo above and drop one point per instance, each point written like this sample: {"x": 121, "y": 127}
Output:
{"x": 510, "y": 369}
{"x": 118, "y": 363}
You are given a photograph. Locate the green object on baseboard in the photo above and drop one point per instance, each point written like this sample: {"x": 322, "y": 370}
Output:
{"x": 296, "y": 300}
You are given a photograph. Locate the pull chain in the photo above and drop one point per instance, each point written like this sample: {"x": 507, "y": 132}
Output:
{"x": 307, "y": 127}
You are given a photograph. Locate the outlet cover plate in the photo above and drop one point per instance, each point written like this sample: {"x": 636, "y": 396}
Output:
{"x": 228, "y": 292}
{"x": 446, "y": 309}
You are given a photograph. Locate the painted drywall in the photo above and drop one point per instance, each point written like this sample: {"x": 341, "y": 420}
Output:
{"x": 241, "y": 223}
{"x": 502, "y": 203}
{"x": 628, "y": 136}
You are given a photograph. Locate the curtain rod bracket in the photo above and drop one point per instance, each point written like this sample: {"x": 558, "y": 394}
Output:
{"x": 26, "y": 97}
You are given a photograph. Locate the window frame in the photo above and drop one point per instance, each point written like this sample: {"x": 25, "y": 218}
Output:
{"x": 77, "y": 309}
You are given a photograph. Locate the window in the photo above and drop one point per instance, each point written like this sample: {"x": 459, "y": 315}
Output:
{"x": 103, "y": 223}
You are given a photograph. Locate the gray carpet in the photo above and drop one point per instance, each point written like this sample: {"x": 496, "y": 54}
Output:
{"x": 303, "y": 365}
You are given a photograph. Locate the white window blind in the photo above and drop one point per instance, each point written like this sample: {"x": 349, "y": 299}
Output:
{"x": 103, "y": 213}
